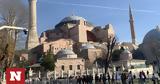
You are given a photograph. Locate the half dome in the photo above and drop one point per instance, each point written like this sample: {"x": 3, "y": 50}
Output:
{"x": 66, "y": 53}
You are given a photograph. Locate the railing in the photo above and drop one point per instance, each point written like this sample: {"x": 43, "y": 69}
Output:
{"x": 55, "y": 74}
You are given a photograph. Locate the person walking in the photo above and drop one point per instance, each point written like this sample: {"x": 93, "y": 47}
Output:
{"x": 123, "y": 78}
{"x": 90, "y": 79}
{"x": 142, "y": 77}
{"x": 109, "y": 78}
{"x": 96, "y": 79}
{"x": 78, "y": 80}
{"x": 83, "y": 79}
{"x": 113, "y": 79}
{"x": 130, "y": 78}
{"x": 104, "y": 79}
{"x": 118, "y": 78}
{"x": 153, "y": 79}
{"x": 100, "y": 78}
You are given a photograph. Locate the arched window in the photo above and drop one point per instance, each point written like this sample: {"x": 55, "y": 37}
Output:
{"x": 70, "y": 67}
{"x": 62, "y": 67}
{"x": 78, "y": 67}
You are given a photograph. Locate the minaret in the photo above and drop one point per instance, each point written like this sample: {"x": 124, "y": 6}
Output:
{"x": 131, "y": 21}
{"x": 32, "y": 38}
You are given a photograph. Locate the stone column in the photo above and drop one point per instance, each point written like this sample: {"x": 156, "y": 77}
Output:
{"x": 55, "y": 77}
{"x": 75, "y": 73}
{"x": 93, "y": 73}
{"x": 39, "y": 74}
{"x": 32, "y": 38}
{"x": 81, "y": 72}
{"x": 87, "y": 72}
{"x": 98, "y": 72}
{"x": 68, "y": 73}
{"x": 62, "y": 73}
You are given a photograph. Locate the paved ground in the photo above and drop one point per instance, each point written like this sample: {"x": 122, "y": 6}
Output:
{"x": 73, "y": 81}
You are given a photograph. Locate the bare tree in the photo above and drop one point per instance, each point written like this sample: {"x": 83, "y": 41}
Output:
{"x": 110, "y": 46}
{"x": 12, "y": 13}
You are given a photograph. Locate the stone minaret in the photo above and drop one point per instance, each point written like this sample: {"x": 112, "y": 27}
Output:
{"x": 32, "y": 38}
{"x": 131, "y": 21}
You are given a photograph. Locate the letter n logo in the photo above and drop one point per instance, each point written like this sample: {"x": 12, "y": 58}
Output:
{"x": 15, "y": 76}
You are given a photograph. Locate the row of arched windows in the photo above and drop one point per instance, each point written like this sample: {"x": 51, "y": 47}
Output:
{"x": 70, "y": 67}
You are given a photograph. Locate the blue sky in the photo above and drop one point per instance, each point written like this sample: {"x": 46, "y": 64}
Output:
{"x": 101, "y": 12}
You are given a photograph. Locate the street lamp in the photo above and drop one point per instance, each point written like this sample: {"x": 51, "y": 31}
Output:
{"x": 25, "y": 30}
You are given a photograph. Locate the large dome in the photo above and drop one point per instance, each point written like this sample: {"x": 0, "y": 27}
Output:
{"x": 72, "y": 18}
{"x": 152, "y": 35}
{"x": 151, "y": 44}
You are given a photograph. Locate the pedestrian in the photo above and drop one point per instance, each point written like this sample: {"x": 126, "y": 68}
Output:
{"x": 130, "y": 78}
{"x": 96, "y": 78}
{"x": 148, "y": 74}
{"x": 123, "y": 78}
{"x": 100, "y": 78}
{"x": 104, "y": 79}
{"x": 109, "y": 78}
{"x": 118, "y": 78}
{"x": 83, "y": 79}
{"x": 142, "y": 77}
{"x": 78, "y": 80}
{"x": 134, "y": 76}
{"x": 113, "y": 78}
{"x": 153, "y": 79}
{"x": 90, "y": 79}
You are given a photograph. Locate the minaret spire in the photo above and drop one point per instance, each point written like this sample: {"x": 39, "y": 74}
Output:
{"x": 131, "y": 21}
{"x": 32, "y": 38}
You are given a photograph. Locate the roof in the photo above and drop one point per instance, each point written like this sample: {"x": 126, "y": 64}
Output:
{"x": 36, "y": 65}
{"x": 72, "y": 18}
{"x": 126, "y": 55}
{"x": 66, "y": 52}
{"x": 87, "y": 46}
{"x": 152, "y": 35}
{"x": 126, "y": 51}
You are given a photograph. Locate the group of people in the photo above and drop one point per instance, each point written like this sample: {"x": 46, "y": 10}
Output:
{"x": 127, "y": 77}
{"x": 115, "y": 78}
{"x": 85, "y": 79}
{"x": 142, "y": 77}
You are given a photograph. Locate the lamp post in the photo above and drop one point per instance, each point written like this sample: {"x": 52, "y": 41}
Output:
{"x": 25, "y": 30}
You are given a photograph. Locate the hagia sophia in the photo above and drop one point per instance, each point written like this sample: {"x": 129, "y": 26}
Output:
{"x": 78, "y": 45}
